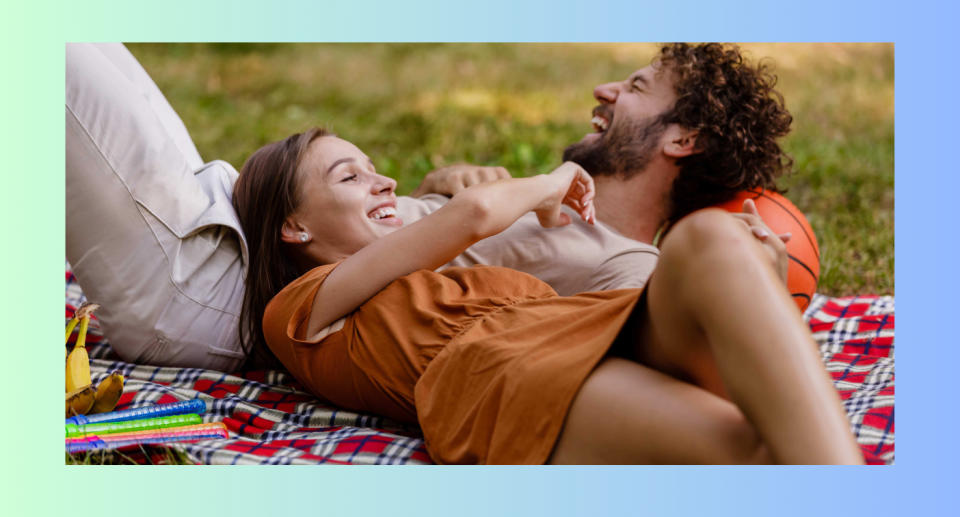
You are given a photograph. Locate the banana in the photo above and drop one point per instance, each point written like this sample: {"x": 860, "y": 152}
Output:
{"x": 80, "y": 401}
{"x": 70, "y": 326}
{"x": 78, "y": 362}
{"x": 108, "y": 393}
{"x": 84, "y": 309}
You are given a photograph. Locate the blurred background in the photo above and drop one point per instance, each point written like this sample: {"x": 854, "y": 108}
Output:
{"x": 415, "y": 107}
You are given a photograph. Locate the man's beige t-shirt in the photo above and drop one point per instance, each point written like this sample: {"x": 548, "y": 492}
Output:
{"x": 573, "y": 259}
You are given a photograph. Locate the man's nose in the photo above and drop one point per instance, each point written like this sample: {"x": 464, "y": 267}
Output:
{"x": 606, "y": 93}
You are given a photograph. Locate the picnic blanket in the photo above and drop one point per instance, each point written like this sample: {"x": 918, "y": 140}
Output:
{"x": 272, "y": 420}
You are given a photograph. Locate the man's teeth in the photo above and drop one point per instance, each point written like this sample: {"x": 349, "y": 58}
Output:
{"x": 380, "y": 213}
{"x": 599, "y": 123}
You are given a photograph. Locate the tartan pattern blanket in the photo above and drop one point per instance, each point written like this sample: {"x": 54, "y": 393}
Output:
{"x": 272, "y": 420}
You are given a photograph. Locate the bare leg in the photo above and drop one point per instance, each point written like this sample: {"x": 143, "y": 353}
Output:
{"x": 627, "y": 413}
{"x": 716, "y": 313}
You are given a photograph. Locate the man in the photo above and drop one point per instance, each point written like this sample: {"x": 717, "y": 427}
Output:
{"x": 152, "y": 237}
{"x": 688, "y": 131}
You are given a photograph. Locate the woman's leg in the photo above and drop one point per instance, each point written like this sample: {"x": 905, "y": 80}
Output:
{"x": 627, "y": 413}
{"x": 717, "y": 314}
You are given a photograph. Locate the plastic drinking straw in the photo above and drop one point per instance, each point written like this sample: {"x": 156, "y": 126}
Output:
{"x": 208, "y": 431}
{"x": 75, "y": 445}
{"x": 126, "y": 426}
{"x": 169, "y": 431}
{"x": 188, "y": 430}
{"x": 177, "y": 408}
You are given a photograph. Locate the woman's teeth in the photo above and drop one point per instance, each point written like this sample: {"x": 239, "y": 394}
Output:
{"x": 381, "y": 213}
{"x": 599, "y": 124}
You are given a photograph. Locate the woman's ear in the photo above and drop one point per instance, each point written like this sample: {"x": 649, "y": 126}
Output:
{"x": 680, "y": 142}
{"x": 293, "y": 232}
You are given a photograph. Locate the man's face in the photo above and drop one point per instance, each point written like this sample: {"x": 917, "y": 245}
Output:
{"x": 627, "y": 124}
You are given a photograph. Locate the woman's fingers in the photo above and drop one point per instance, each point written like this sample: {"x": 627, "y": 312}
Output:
{"x": 776, "y": 247}
{"x": 576, "y": 190}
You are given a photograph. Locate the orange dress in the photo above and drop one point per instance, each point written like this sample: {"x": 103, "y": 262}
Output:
{"x": 486, "y": 360}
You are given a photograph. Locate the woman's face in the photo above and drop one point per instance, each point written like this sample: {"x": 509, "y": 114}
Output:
{"x": 344, "y": 205}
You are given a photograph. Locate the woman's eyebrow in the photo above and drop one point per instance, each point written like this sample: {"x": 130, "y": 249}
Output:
{"x": 338, "y": 162}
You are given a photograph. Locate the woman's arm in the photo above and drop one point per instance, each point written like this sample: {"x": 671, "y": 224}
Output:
{"x": 475, "y": 213}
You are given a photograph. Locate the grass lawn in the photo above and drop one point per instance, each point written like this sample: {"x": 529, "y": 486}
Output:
{"x": 413, "y": 107}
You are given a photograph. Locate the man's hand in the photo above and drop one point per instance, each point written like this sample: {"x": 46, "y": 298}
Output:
{"x": 774, "y": 244}
{"x": 453, "y": 178}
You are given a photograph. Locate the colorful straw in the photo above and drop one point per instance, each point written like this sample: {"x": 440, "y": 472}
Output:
{"x": 132, "y": 425}
{"x": 170, "y": 431}
{"x": 177, "y": 408}
{"x": 213, "y": 430}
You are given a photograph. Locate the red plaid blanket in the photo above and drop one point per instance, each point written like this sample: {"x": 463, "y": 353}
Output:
{"x": 272, "y": 420}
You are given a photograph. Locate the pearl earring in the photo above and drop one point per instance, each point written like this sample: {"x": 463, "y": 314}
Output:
{"x": 304, "y": 236}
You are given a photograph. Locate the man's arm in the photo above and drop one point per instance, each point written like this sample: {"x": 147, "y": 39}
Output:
{"x": 451, "y": 179}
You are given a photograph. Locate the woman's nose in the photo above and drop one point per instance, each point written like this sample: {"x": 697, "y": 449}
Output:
{"x": 383, "y": 184}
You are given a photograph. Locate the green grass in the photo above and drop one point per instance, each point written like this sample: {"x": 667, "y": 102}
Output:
{"x": 413, "y": 107}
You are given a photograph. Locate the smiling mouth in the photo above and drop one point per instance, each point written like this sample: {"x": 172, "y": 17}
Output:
{"x": 600, "y": 124}
{"x": 602, "y": 115}
{"x": 382, "y": 213}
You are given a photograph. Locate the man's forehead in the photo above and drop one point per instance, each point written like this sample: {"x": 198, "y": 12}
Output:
{"x": 656, "y": 67}
{"x": 650, "y": 73}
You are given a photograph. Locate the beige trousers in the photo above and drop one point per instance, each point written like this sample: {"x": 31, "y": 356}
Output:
{"x": 150, "y": 232}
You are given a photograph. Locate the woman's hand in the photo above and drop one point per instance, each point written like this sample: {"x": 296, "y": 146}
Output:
{"x": 568, "y": 185}
{"x": 774, "y": 244}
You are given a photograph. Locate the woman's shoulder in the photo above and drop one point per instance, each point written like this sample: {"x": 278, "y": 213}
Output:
{"x": 285, "y": 317}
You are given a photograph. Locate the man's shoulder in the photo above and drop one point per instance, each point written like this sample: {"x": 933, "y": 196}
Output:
{"x": 597, "y": 235}
{"x": 411, "y": 209}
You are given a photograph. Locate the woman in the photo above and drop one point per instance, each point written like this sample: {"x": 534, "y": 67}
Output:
{"x": 490, "y": 362}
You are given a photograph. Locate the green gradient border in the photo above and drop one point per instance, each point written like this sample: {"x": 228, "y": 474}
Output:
{"x": 31, "y": 93}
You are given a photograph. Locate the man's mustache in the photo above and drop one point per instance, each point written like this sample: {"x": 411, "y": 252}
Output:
{"x": 603, "y": 110}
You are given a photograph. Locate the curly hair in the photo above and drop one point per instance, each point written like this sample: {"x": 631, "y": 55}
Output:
{"x": 738, "y": 116}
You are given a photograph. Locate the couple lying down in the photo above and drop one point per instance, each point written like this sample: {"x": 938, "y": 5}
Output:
{"x": 710, "y": 362}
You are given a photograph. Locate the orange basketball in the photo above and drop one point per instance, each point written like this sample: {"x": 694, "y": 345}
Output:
{"x": 782, "y": 217}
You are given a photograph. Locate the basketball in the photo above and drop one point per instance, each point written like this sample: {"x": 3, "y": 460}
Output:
{"x": 782, "y": 216}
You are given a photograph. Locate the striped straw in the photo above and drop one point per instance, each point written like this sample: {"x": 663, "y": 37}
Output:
{"x": 213, "y": 430}
{"x": 127, "y": 426}
{"x": 177, "y": 408}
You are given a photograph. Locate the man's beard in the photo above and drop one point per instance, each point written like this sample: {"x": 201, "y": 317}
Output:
{"x": 624, "y": 150}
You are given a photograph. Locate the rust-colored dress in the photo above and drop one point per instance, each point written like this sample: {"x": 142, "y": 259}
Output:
{"x": 486, "y": 360}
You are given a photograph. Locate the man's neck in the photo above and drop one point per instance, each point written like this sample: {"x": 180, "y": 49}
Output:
{"x": 634, "y": 207}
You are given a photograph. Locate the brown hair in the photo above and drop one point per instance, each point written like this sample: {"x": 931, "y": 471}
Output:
{"x": 738, "y": 116}
{"x": 268, "y": 191}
